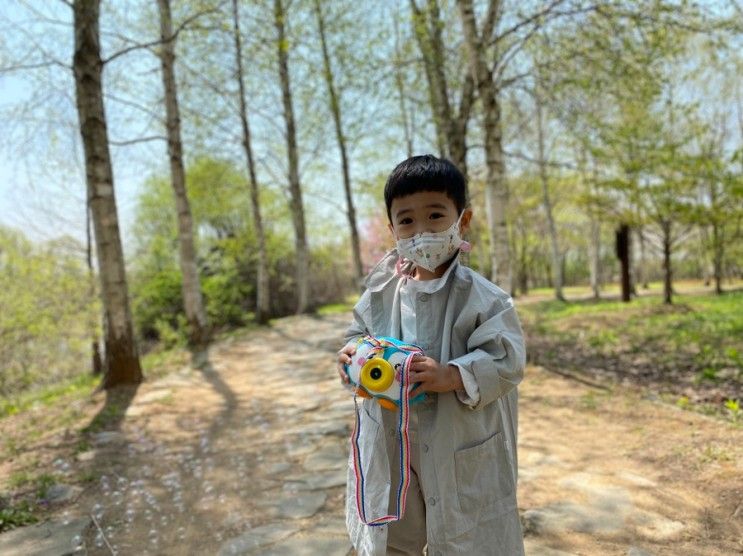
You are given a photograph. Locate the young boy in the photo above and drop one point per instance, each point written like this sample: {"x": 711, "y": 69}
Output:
{"x": 462, "y": 494}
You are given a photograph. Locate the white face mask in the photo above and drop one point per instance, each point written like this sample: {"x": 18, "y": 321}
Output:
{"x": 430, "y": 250}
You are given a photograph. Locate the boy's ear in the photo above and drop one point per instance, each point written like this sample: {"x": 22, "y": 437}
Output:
{"x": 391, "y": 229}
{"x": 464, "y": 224}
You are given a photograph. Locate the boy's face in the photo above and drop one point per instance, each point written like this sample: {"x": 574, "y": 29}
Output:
{"x": 425, "y": 211}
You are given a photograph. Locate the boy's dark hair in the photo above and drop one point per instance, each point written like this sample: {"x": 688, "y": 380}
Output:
{"x": 426, "y": 173}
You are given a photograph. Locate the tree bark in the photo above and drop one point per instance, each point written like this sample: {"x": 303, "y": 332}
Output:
{"x": 198, "y": 333}
{"x": 121, "y": 356}
{"x": 623, "y": 254}
{"x": 262, "y": 304}
{"x": 642, "y": 271}
{"x": 557, "y": 267}
{"x": 595, "y": 256}
{"x": 295, "y": 189}
{"x": 496, "y": 190}
{"x": 96, "y": 361}
{"x": 400, "y": 84}
{"x": 421, "y": 32}
{"x": 451, "y": 129}
{"x": 667, "y": 269}
{"x": 337, "y": 120}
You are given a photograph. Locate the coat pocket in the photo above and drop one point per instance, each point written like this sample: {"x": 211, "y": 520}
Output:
{"x": 484, "y": 478}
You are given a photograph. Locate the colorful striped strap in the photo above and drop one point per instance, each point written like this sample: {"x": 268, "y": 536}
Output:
{"x": 403, "y": 425}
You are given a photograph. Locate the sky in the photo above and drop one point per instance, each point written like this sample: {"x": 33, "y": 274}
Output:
{"x": 42, "y": 185}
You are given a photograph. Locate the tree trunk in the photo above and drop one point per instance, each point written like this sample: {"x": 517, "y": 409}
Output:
{"x": 400, "y": 84}
{"x": 423, "y": 37}
{"x": 451, "y": 131}
{"x": 595, "y": 255}
{"x": 667, "y": 270}
{"x": 336, "y": 111}
{"x": 642, "y": 268}
{"x": 295, "y": 189}
{"x": 718, "y": 244}
{"x": 496, "y": 190}
{"x": 623, "y": 254}
{"x": 263, "y": 294}
{"x": 557, "y": 267}
{"x": 121, "y": 356}
{"x": 96, "y": 362}
{"x": 719, "y": 250}
{"x": 198, "y": 334}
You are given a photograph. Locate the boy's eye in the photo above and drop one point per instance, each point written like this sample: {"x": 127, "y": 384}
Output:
{"x": 406, "y": 221}
{"x": 436, "y": 215}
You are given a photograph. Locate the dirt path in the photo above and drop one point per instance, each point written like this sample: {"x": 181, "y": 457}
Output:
{"x": 247, "y": 456}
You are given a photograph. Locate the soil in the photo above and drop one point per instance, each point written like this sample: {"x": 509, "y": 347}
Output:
{"x": 245, "y": 452}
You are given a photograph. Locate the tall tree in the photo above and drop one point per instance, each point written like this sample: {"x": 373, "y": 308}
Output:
{"x": 295, "y": 188}
{"x": 262, "y": 306}
{"x": 557, "y": 259}
{"x": 496, "y": 190}
{"x": 450, "y": 126}
{"x": 121, "y": 356}
{"x": 335, "y": 109}
{"x": 198, "y": 332}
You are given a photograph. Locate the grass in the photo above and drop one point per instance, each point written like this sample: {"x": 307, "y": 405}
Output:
{"x": 335, "y": 308}
{"x": 80, "y": 385}
{"x": 17, "y": 515}
{"x": 696, "y": 342}
{"x": 709, "y": 327}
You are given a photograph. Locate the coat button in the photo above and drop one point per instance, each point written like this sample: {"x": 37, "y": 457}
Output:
{"x": 425, "y": 448}
{"x": 424, "y": 297}
{"x": 432, "y": 501}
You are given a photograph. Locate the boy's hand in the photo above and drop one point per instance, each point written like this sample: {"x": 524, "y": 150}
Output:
{"x": 433, "y": 376}
{"x": 344, "y": 358}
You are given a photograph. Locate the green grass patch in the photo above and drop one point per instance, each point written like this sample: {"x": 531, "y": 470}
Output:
{"x": 80, "y": 385}
{"x": 335, "y": 308}
{"x": 696, "y": 342}
{"x": 708, "y": 329}
{"x": 17, "y": 516}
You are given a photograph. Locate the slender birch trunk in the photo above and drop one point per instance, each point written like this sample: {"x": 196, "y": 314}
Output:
{"x": 95, "y": 352}
{"x": 451, "y": 129}
{"x": 262, "y": 305}
{"x": 295, "y": 189}
{"x": 335, "y": 108}
{"x": 496, "y": 189}
{"x": 594, "y": 248}
{"x": 121, "y": 356}
{"x": 423, "y": 39}
{"x": 557, "y": 268}
{"x": 641, "y": 269}
{"x": 667, "y": 268}
{"x": 400, "y": 85}
{"x": 198, "y": 333}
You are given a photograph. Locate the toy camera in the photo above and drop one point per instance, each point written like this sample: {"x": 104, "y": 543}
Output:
{"x": 376, "y": 367}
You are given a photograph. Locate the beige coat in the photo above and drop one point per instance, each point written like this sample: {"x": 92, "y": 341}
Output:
{"x": 468, "y": 454}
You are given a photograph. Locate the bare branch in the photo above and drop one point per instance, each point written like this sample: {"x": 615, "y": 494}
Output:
{"x": 534, "y": 18}
{"x": 173, "y": 37}
{"x": 139, "y": 140}
{"x": 23, "y": 67}
{"x": 519, "y": 155}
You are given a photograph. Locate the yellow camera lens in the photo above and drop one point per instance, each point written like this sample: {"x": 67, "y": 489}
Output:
{"x": 377, "y": 375}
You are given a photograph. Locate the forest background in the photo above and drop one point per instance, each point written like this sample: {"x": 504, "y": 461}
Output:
{"x": 173, "y": 172}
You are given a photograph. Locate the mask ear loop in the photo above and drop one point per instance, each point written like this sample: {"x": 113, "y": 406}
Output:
{"x": 465, "y": 246}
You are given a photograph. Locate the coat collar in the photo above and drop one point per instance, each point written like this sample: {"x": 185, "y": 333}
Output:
{"x": 387, "y": 271}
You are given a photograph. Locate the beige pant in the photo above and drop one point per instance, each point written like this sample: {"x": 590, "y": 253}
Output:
{"x": 408, "y": 536}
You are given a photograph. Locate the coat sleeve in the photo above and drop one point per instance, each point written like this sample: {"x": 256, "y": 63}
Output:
{"x": 496, "y": 352}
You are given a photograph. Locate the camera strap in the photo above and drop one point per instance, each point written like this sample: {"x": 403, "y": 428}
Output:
{"x": 403, "y": 426}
